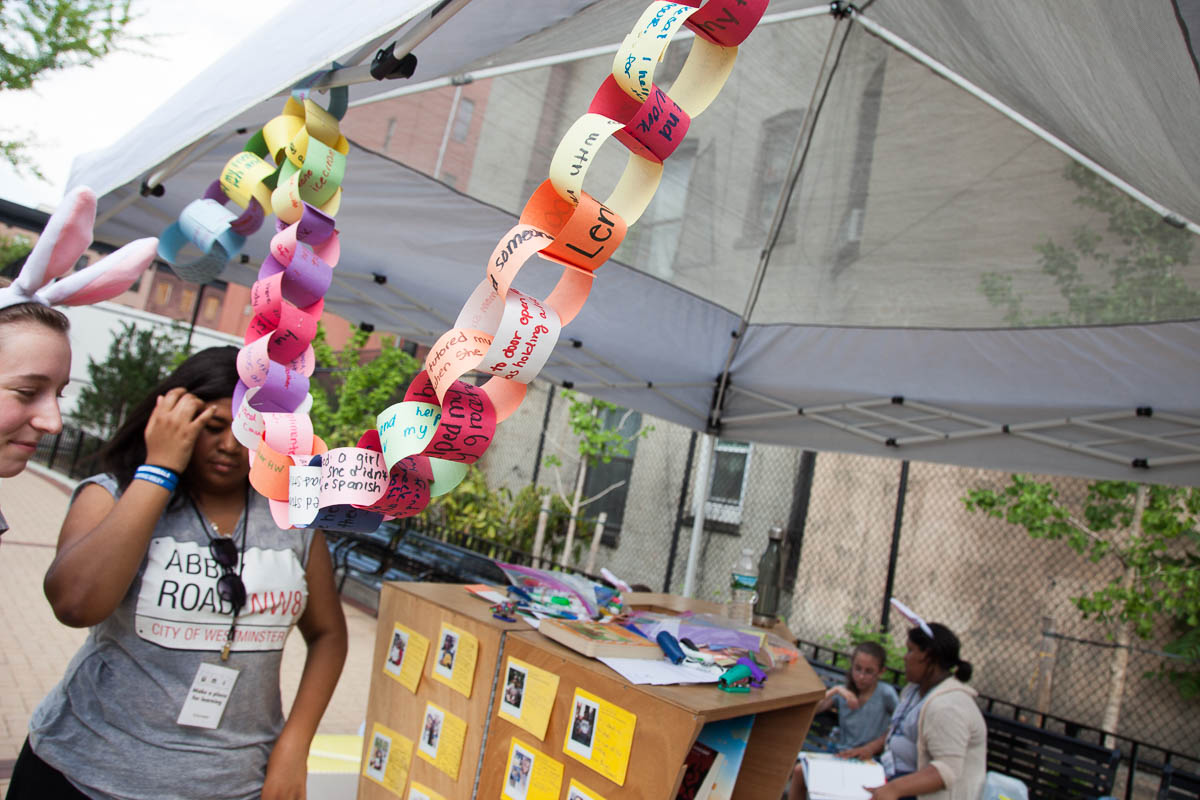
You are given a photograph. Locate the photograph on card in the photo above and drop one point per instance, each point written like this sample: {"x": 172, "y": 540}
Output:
{"x": 583, "y": 727}
{"x": 514, "y": 690}
{"x": 520, "y": 767}
{"x": 377, "y": 761}
{"x": 447, "y": 652}
{"x": 395, "y": 658}
{"x": 431, "y": 731}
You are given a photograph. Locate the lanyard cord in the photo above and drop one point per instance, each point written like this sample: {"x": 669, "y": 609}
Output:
{"x": 241, "y": 560}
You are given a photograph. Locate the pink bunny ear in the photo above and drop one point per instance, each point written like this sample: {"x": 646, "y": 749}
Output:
{"x": 66, "y": 236}
{"x": 107, "y": 278}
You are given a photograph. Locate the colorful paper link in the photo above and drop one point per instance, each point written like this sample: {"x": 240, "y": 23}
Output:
{"x": 421, "y": 447}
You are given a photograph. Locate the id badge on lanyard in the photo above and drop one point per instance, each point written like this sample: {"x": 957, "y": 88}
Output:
{"x": 208, "y": 696}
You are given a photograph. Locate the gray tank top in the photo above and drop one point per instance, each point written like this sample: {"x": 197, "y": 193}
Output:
{"x": 110, "y": 724}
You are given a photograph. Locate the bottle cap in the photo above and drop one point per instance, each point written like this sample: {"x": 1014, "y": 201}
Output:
{"x": 776, "y": 532}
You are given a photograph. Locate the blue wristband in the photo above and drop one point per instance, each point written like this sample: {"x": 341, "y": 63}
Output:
{"x": 160, "y": 476}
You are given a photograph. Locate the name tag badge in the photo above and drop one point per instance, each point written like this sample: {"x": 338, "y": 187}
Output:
{"x": 207, "y": 698}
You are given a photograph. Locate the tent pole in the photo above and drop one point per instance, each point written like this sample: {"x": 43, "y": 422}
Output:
{"x": 1026, "y": 123}
{"x": 799, "y": 156}
{"x": 699, "y": 501}
{"x": 550, "y": 61}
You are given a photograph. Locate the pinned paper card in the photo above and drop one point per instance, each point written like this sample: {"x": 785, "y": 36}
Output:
{"x": 600, "y": 735}
{"x": 454, "y": 659}
{"x": 405, "y": 659}
{"x": 530, "y": 774}
{"x": 440, "y": 740}
{"x": 577, "y": 791}
{"x": 419, "y": 791}
{"x": 388, "y": 758}
{"x": 527, "y": 696}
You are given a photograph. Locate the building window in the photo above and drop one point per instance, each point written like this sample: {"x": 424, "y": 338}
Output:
{"x": 188, "y": 301}
{"x": 727, "y": 488}
{"x": 462, "y": 120}
{"x": 162, "y": 293}
{"x": 602, "y": 476}
{"x": 212, "y": 307}
{"x": 774, "y": 155}
{"x": 653, "y": 243}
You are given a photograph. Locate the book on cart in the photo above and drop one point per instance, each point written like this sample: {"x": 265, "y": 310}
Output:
{"x": 701, "y": 766}
{"x": 828, "y": 777}
{"x": 599, "y": 639}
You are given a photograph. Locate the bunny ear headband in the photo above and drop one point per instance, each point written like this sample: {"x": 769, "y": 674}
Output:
{"x": 66, "y": 237}
{"x": 912, "y": 617}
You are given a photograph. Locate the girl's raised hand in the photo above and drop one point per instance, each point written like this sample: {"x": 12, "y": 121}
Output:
{"x": 171, "y": 432}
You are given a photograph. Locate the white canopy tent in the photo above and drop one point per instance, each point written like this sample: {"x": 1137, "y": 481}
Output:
{"x": 830, "y": 294}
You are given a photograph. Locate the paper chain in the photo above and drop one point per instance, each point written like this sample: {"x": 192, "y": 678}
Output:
{"x": 422, "y": 446}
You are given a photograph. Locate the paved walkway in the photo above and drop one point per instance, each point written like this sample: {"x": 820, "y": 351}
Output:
{"x": 35, "y": 647}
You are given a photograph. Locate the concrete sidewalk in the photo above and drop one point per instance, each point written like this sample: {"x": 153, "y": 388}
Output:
{"x": 35, "y": 647}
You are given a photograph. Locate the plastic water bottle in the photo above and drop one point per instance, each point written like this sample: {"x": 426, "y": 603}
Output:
{"x": 742, "y": 588}
{"x": 766, "y": 608}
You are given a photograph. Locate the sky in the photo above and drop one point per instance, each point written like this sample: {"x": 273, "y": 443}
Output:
{"x": 74, "y": 111}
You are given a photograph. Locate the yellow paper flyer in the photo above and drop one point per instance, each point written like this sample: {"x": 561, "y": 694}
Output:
{"x": 600, "y": 735}
{"x": 578, "y": 791}
{"x": 405, "y": 659}
{"x": 389, "y": 756}
{"x": 527, "y": 697}
{"x": 530, "y": 774}
{"x": 440, "y": 740}
{"x": 454, "y": 659}
{"x": 419, "y": 791}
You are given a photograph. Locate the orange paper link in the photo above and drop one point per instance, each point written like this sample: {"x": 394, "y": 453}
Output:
{"x": 269, "y": 472}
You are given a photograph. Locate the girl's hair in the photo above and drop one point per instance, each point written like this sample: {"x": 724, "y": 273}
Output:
{"x": 872, "y": 649}
{"x": 35, "y": 313}
{"x": 942, "y": 649}
{"x": 210, "y": 375}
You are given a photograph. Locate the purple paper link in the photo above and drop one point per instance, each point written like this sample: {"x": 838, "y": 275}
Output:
{"x": 757, "y": 676}
{"x": 215, "y": 192}
{"x": 315, "y": 226}
{"x": 239, "y": 393}
{"x": 307, "y": 278}
{"x": 269, "y": 267}
{"x": 346, "y": 517}
{"x": 250, "y": 220}
{"x": 282, "y": 392}
{"x": 280, "y": 224}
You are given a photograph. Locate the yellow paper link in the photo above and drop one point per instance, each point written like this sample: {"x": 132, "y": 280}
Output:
{"x": 638, "y": 56}
{"x": 278, "y": 132}
{"x": 243, "y": 178}
{"x": 320, "y": 125}
{"x": 575, "y": 154}
{"x": 703, "y": 75}
{"x": 298, "y": 147}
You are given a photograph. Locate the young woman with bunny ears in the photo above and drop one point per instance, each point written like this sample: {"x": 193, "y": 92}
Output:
{"x": 35, "y": 353}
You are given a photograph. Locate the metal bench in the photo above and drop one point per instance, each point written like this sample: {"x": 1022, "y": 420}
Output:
{"x": 393, "y": 554}
{"x": 1052, "y": 765}
{"x": 1178, "y": 785}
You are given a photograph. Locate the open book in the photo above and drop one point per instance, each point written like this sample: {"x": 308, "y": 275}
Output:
{"x": 830, "y": 778}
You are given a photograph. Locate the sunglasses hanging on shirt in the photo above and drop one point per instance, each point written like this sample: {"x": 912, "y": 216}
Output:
{"x": 230, "y": 559}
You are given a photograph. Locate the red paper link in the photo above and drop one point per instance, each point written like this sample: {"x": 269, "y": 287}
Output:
{"x": 468, "y": 422}
{"x": 407, "y": 492}
{"x": 725, "y": 22}
{"x": 291, "y": 329}
{"x": 653, "y": 129}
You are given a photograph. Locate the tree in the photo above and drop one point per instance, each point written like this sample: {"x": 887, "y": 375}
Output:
{"x": 40, "y": 36}
{"x": 349, "y": 390}
{"x": 138, "y": 358}
{"x": 595, "y": 441}
{"x": 1142, "y": 256}
{"x": 1151, "y": 532}
{"x": 13, "y": 249}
